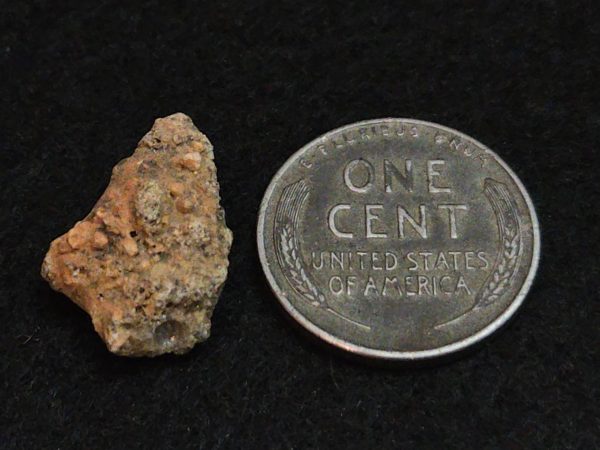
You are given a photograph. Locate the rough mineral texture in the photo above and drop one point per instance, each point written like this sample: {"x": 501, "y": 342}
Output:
{"x": 149, "y": 261}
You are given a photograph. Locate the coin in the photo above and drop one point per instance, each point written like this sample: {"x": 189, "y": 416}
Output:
{"x": 398, "y": 239}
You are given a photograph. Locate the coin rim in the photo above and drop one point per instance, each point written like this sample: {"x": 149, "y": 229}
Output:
{"x": 360, "y": 350}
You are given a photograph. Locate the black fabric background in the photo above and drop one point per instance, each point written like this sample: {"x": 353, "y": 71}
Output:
{"x": 82, "y": 82}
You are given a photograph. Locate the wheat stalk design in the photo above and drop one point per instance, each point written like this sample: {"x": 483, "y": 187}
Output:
{"x": 509, "y": 252}
{"x": 287, "y": 247}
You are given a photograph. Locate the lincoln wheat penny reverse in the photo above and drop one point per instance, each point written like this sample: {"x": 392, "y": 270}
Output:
{"x": 398, "y": 239}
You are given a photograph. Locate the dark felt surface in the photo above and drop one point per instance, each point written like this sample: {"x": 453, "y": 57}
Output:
{"x": 81, "y": 83}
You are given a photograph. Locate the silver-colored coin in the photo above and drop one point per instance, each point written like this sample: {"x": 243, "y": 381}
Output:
{"x": 398, "y": 239}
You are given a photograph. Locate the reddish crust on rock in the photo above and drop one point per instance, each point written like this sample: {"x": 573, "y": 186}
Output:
{"x": 149, "y": 261}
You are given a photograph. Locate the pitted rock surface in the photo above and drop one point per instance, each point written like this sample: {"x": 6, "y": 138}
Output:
{"x": 149, "y": 261}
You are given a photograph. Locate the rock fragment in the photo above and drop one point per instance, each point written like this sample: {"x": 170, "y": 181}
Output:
{"x": 149, "y": 261}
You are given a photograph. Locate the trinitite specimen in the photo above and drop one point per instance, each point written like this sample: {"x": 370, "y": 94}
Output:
{"x": 149, "y": 261}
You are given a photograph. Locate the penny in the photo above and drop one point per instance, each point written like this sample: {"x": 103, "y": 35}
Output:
{"x": 398, "y": 239}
